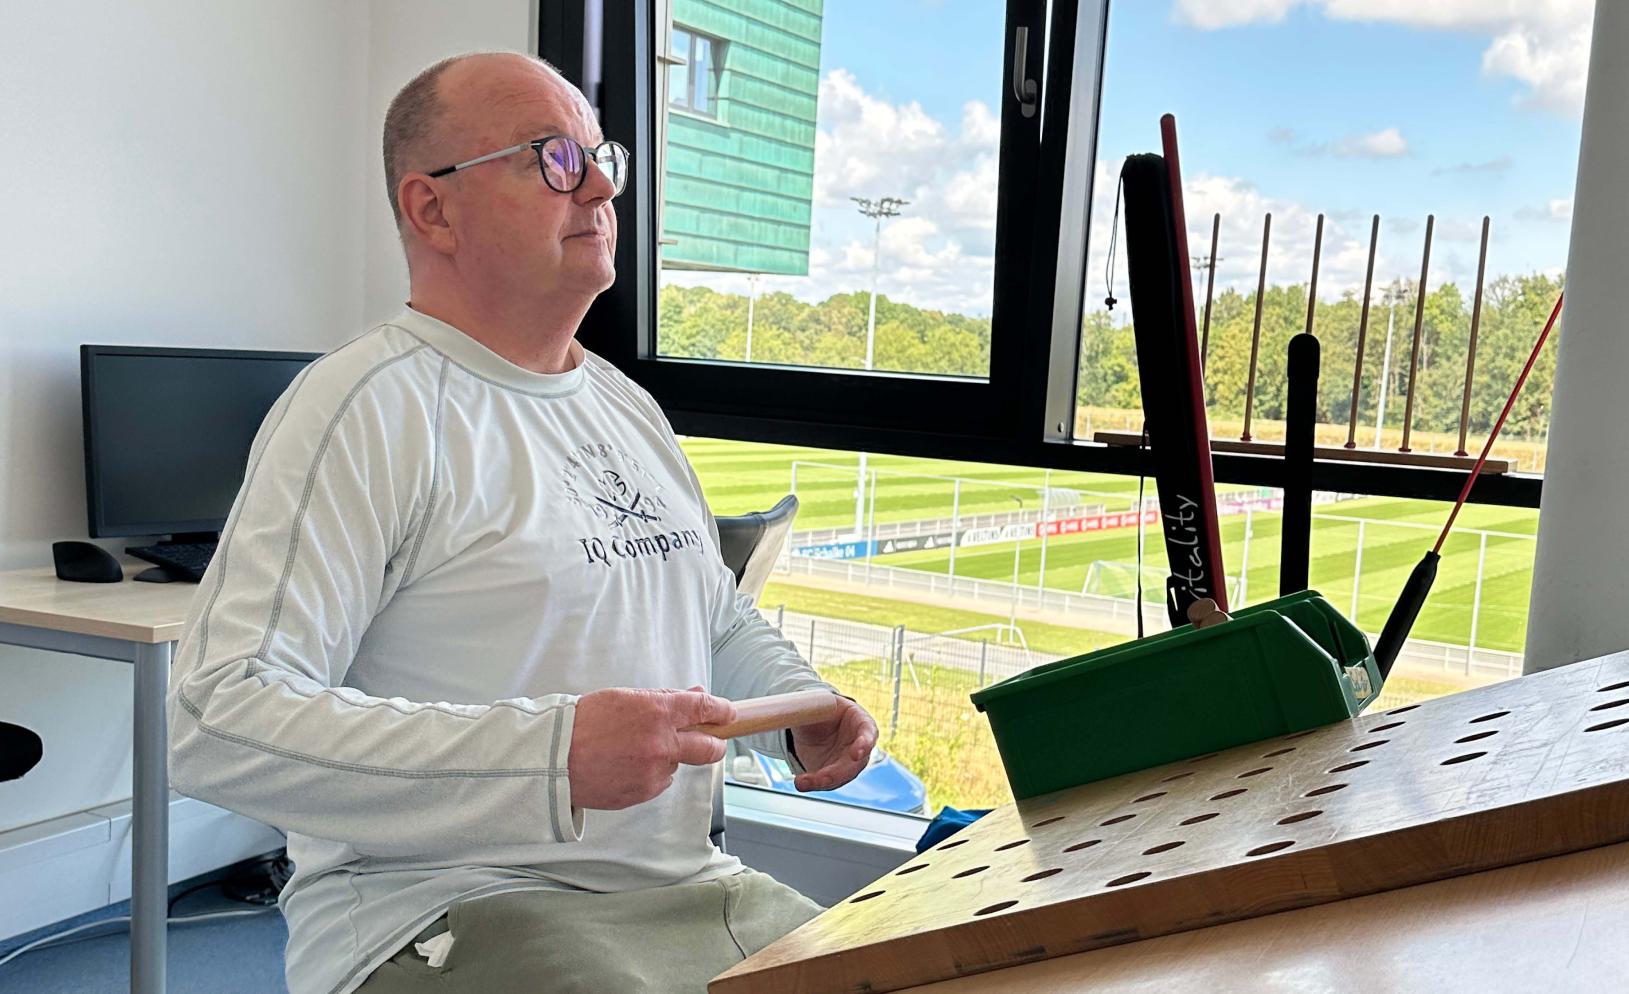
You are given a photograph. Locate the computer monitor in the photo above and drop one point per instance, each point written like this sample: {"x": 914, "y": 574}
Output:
{"x": 168, "y": 431}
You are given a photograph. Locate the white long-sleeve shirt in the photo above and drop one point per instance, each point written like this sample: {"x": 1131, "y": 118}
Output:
{"x": 434, "y": 553}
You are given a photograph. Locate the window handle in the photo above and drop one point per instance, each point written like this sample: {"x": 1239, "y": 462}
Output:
{"x": 1023, "y": 88}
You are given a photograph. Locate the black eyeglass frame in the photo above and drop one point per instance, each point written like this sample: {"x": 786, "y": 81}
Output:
{"x": 593, "y": 155}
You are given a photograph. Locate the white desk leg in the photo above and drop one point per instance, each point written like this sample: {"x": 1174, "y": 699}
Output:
{"x": 150, "y": 841}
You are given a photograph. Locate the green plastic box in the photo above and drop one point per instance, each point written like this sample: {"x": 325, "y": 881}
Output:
{"x": 1282, "y": 666}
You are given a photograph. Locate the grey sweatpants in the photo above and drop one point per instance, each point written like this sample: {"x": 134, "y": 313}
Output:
{"x": 667, "y": 939}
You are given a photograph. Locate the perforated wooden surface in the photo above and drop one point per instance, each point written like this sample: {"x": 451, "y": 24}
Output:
{"x": 1520, "y": 770}
{"x": 1555, "y": 925}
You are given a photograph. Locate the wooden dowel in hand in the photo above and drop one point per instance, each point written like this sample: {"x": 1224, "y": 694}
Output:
{"x": 767, "y": 714}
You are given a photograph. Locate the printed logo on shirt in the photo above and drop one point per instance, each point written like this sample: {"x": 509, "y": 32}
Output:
{"x": 620, "y": 493}
{"x": 662, "y": 544}
{"x": 613, "y": 486}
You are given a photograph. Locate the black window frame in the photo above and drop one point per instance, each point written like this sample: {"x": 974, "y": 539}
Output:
{"x": 705, "y": 395}
{"x": 1016, "y": 416}
{"x": 715, "y": 51}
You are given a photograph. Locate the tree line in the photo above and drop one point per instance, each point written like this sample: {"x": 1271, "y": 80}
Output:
{"x": 704, "y": 323}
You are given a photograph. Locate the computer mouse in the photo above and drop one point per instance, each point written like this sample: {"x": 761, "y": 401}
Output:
{"x": 83, "y": 562}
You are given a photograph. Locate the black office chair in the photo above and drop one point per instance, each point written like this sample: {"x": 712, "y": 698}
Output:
{"x": 750, "y": 544}
{"x": 20, "y": 750}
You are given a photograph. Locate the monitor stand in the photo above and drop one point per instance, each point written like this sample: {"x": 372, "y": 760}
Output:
{"x": 157, "y": 574}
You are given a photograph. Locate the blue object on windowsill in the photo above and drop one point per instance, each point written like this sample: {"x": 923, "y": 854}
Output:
{"x": 946, "y": 823}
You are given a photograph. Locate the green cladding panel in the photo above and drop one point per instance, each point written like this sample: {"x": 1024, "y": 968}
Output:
{"x": 740, "y": 181}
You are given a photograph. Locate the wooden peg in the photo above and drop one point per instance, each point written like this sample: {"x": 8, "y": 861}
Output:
{"x": 1203, "y": 613}
{"x": 766, "y": 714}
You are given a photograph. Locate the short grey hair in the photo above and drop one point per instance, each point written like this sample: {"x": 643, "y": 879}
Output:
{"x": 413, "y": 122}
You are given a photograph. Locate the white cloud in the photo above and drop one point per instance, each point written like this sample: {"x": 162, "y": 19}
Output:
{"x": 1384, "y": 144}
{"x": 1557, "y": 209}
{"x": 1378, "y": 145}
{"x": 939, "y": 253}
{"x": 866, "y": 146}
{"x": 1345, "y": 252}
{"x": 1212, "y": 14}
{"x": 1543, "y": 44}
{"x": 1495, "y": 165}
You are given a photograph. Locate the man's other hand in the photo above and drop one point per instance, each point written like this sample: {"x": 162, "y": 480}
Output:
{"x": 834, "y": 751}
{"x": 627, "y": 744}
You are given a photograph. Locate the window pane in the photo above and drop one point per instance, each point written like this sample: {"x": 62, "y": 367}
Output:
{"x": 1266, "y": 127}
{"x": 701, "y": 76}
{"x": 768, "y": 254}
{"x": 678, "y": 76}
{"x": 936, "y": 547}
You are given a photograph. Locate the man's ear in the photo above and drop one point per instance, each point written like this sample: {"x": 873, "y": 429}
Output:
{"x": 424, "y": 212}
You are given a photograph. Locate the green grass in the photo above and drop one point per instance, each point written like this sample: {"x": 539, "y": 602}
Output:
{"x": 946, "y": 743}
{"x": 1060, "y": 640}
{"x": 740, "y": 476}
{"x": 940, "y": 737}
{"x": 743, "y": 476}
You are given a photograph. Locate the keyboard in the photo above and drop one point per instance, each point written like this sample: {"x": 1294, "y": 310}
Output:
{"x": 186, "y": 560}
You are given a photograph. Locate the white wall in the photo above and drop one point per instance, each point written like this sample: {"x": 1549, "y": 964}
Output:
{"x": 1576, "y": 608}
{"x": 184, "y": 173}
{"x": 408, "y": 35}
{"x": 176, "y": 172}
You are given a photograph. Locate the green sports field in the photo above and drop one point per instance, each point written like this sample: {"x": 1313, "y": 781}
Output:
{"x": 741, "y": 476}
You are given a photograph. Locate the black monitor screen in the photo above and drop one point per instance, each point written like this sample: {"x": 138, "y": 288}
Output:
{"x": 168, "y": 431}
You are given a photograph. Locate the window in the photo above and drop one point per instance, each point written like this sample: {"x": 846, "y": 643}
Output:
{"x": 959, "y": 521}
{"x": 844, "y": 216}
{"x": 703, "y": 257}
{"x": 693, "y": 73}
{"x": 955, "y": 575}
{"x": 782, "y": 214}
{"x": 1265, "y": 132}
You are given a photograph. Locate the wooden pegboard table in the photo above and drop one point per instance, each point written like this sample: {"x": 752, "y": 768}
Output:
{"x": 1517, "y": 771}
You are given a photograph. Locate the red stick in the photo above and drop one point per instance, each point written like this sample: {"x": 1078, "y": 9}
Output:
{"x": 1477, "y": 469}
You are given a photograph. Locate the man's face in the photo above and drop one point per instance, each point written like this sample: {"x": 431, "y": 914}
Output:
{"x": 526, "y": 237}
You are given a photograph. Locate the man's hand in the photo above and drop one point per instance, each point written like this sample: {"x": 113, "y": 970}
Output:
{"x": 834, "y": 751}
{"x": 627, "y": 744}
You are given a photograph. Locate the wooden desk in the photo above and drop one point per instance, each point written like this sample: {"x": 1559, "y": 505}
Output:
{"x": 1555, "y": 925}
{"x": 136, "y": 623}
{"x": 1292, "y": 839}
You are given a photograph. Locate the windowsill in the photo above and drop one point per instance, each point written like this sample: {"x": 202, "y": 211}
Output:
{"x": 826, "y": 849}
{"x": 694, "y": 115}
{"x": 888, "y": 829}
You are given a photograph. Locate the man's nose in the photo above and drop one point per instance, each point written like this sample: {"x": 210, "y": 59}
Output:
{"x": 596, "y": 189}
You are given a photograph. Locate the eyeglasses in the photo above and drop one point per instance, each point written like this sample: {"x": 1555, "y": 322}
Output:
{"x": 563, "y": 161}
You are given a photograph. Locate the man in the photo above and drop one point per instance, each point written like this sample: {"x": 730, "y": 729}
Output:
{"x": 454, "y": 534}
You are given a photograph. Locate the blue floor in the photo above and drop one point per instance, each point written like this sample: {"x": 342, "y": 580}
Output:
{"x": 226, "y": 956}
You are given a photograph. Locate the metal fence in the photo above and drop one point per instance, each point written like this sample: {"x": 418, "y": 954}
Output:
{"x": 883, "y": 530}
{"x": 1111, "y": 614}
{"x": 1486, "y": 602}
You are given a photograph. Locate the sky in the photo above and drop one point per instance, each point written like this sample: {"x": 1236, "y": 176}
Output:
{"x": 1457, "y": 108}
